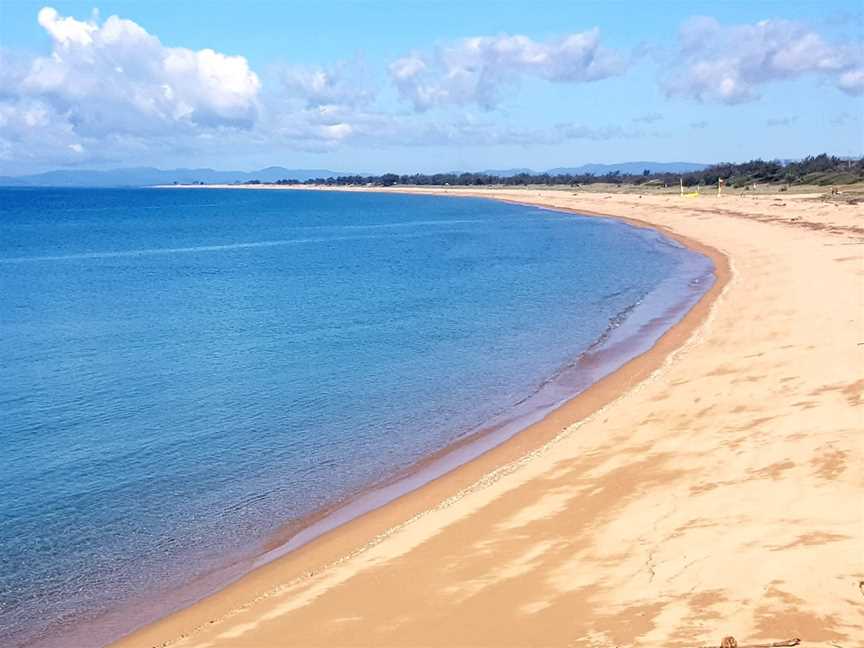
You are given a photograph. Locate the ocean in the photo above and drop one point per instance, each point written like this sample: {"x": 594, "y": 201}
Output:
{"x": 187, "y": 372}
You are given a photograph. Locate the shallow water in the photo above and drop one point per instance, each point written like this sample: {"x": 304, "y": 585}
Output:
{"x": 187, "y": 371}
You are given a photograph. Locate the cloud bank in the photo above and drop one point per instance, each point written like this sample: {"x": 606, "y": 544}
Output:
{"x": 474, "y": 70}
{"x": 113, "y": 81}
{"x": 108, "y": 91}
{"x": 115, "y": 77}
{"x": 729, "y": 64}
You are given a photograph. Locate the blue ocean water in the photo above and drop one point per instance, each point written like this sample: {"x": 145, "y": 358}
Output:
{"x": 184, "y": 372}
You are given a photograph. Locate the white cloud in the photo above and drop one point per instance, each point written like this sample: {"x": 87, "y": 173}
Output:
{"x": 110, "y": 92}
{"x": 729, "y": 63}
{"x": 473, "y": 70}
{"x": 31, "y": 132}
{"x": 116, "y": 77}
{"x": 852, "y": 81}
{"x": 112, "y": 83}
{"x": 66, "y": 31}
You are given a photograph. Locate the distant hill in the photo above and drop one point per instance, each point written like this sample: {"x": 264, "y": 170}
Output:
{"x": 146, "y": 176}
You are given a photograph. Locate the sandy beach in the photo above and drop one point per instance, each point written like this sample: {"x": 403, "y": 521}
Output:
{"x": 711, "y": 487}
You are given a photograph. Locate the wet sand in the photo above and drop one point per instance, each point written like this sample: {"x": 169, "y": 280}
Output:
{"x": 712, "y": 486}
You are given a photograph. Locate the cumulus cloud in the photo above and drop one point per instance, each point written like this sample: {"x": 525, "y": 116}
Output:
{"x": 115, "y": 77}
{"x": 112, "y": 82}
{"x": 728, "y": 64}
{"x": 473, "y": 70}
{"x": 108, "y": 91}
{"x": 852, "y": 81}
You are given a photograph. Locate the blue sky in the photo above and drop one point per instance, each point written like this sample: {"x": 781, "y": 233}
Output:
{"x": 427, "y": 86}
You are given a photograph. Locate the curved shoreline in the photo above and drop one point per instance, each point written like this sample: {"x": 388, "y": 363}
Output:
{"x": 601, "y": 359}
{"x": 362, "y": 530}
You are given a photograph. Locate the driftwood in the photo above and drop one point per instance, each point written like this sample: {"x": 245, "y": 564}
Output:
{"x": 729, "y": 642}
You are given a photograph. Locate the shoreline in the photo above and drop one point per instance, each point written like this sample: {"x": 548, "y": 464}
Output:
{"x": 364, "y": 527}
{"x": 713, "y": 492}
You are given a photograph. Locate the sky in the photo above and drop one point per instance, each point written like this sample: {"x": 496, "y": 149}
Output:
{"x": 425, "y": 85}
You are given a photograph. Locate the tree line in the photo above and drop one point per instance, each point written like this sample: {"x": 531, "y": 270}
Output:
{"x": 816, "y": 169}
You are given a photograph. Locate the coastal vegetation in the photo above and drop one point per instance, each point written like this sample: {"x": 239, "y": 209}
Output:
{"x": 823, "y": 170}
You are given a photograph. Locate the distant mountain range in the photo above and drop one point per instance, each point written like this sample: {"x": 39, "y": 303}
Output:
{"x": 147, "y": 176}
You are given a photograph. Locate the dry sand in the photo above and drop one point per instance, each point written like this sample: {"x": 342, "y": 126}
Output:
{"x": 712, "y": 487}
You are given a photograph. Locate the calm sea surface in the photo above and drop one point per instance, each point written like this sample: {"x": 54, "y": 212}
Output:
{"x": 184, "y": 372}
